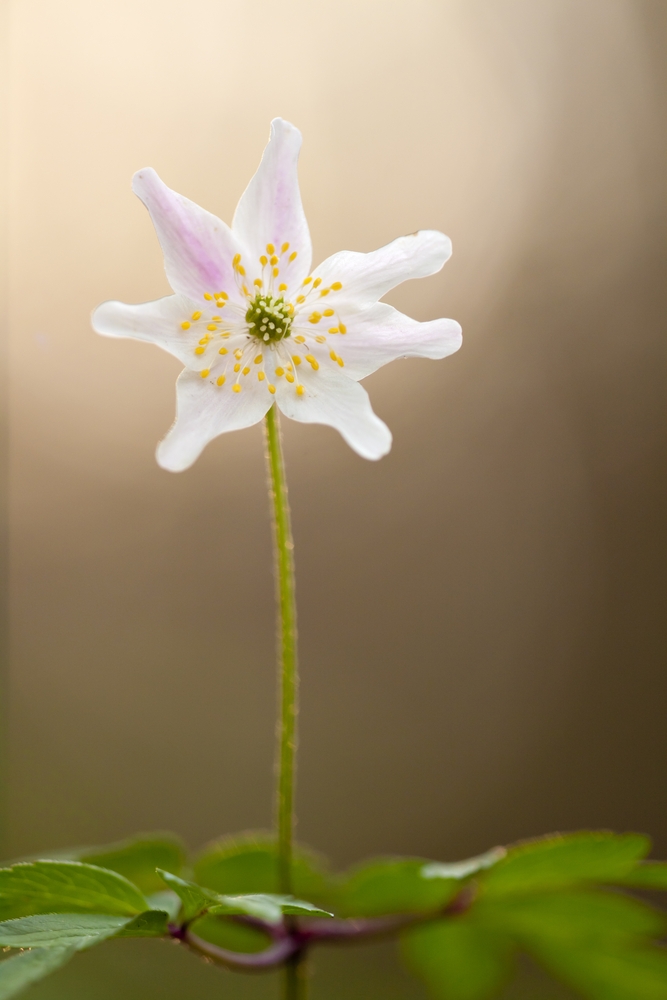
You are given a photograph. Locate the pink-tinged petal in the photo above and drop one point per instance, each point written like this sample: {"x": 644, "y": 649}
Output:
{"x": 270, "y": 209}
{"x": 204, "y": 411}
{"x": 380, "y": 334}
{"x": 333, "y": 399}
{"x": 155, "y": 322}
{"x": 366, "y": 277}
{"x": 198, "y": 247}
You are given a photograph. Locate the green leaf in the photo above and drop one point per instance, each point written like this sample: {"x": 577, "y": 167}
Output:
{"x": 138, "y": 857}
{"x": 19, "y": 971}
{"x": 608, "y": 973}
{"x": 459, "y": 960}
{"x": 561, "y": 861}
{"x": 265, "y": 906}
{"x": 195, "y": 898}
{"x": 393, "y": 885}
{"x": 461, "y": 869}
{"x": 571, "y": 916}
{"x": 66, "y": 887}
{"x": 167, "y": 901}
{"x": 64, "y": 930}
{"x": 248, "y": 864}
{"x": 231, "y": 934}
{"x": 647, "y": 875}
{"x": 153, "y": 923}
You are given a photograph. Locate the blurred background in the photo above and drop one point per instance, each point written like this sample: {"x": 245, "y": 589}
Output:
{"x": 482, "y": 612}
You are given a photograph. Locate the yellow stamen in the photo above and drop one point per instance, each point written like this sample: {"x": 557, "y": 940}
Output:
{"x": 236, "y": 388}
{"x": 340, "y": 361}
{"x": 282, "y": 287}
{"x": 196, "y": 316}
{"x": 321, "y": 339}
{"x": 258, "y": 359}
{"x": 290, "y": 378}
{"x": 241, "y": 270}
{"x": 238, "y": 353}
{"x": 204, "y": 340}
{"x": 258, "y": 282}
{"x": 306, "y": 281}
{"x": 333, "y": 355}
{"x": 237, "y": 258}
{"x": 263, "y": 260}
{"x": 336, "y": 287}
{"x": 274, "y": 260}
{"x": 208, "y": 296}
{"x": 314, "y": 317}
{"x": 199, "y": 350}
{"x": 205, "y": 373}
{"x": 222, "y": 295}
{"x": 300, "y": 340}
{"x": 299, "y": 390}
{"x": 185, "y": 325}
{"x": 325, "y": 291}
{"x": 292, "y": 256}
{"x": 212, "y": 327}
{"x": 216, "y": 319}
{"x": 272, "y": 388}
{"x": 270, "y": 249}
{"x": 223, "y": 350}
{"x": 284, "y": 248}
{"x": 246, "y": 370}
{"x": 318, "y": 281}
{"x": 333, "y": 329}
{"x": 221, "y": 380}
{"x": 328, "y": 312}
{"x": 276, "y": 272}
{"x": 280, "y": 371}
{"x": 261, "y": 376}
{"x": 237, "y": 367}
{"x": 296, "y": 359}
{"x": 300, "y": 299}
{"x": 342, "y": 328}
{"x": 245, "y": 290}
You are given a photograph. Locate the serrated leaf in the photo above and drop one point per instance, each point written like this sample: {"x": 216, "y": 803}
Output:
{"x": 66, "y": 887}
{"x": 562, "y": 861}
{"x": 265, "y": 906}
{"x": 572, "y": 916}
{"x": 63, "y": 930}
{"x": 137, "y": 858}
{"x": 153, "y": 923}
{"x": 19, "y": 971}
{"x": 393, "y": 885}
{"x": 607, "y": 973}
{"x": 167, "y": 901}
{"x": 647, "y": 875}
{"x": 459, "y": 960}
{"x": 195, "y": 898}
{"x": 248, "y": 864}
{"x": 462, "y": 869}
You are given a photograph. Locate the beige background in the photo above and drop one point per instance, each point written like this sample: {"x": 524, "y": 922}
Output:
{"x": 482, "y": 612}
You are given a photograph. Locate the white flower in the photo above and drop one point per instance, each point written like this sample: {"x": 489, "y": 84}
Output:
{"x": 253, "y": 325}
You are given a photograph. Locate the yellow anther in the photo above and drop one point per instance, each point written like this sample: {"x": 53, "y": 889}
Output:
{"x": 325, "y": 291}
{"x": 300, "y": 340}
{"x": 237, "y": 367}
{"x": 212, "y": 327}
{"x": 208, "y": 296}
{"x": 221, "y": 380}
{"x": 299, "y": 390}
{"x": 270, "y": 249}
{"x": 246, "y": 370}
{"x": 292, "y": 256}
{"x": 333, "y": 355}
{"x": 241, "y": 270}
{"x": 245, "y": 290}
{"x": 216, "y": 319}
{"x": 276, "y": 272}
{"x": 238, "y": 353}
{"x": 328, "y": 312}
{"x": 204, "y": 340}
{"x": 290, "y": 378}
{"x": 263, "y": 260}
{"x": 310, "y": 358}
{"x": 199, "y": 350}
{"x": 336, "y": 287}
{"x": 342, "y": 328}
{"x": 340, "y": 361}
{"x": 282, "y": 287}
{"x": 313, "y": 362}
{"x": 205, "y": 373}
{"x": 318, "y": 281}
{"x": 237, "y": 258}
{"x": 321, "y": 339}
{"x": 272, "y": 388}
{"x": 258, "y": 282}
{"x": 222, "y": 295}
{"x": 314, "y": 317}
{"x": 185, "y": 325}
{"x": 261, "y": 376}
{"x": 290, "y": 309}
{"x": 300, "y": 299}
{"x": 225, "y": 335}
{"x": 196, "y": 316}
{"x": 236, "y": 388}
{"x": 274, "y": 260}
{"x": 306, "y": 281}
{"x": 333, "y": 329}
{"x": 223, "y": 350}
{"x": 258, "y": 359}
{"x": 296, "y": 359}
{"x": 284, "y": 248}
{"x": 280, "y": 371}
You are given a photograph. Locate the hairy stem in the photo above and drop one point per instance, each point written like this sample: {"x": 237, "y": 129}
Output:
{"x": 288, "y": 681}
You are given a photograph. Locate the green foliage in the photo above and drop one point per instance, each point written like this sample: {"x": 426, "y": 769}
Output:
{"x": 648, "y": 875}
{"x": 231, "y": 934}
{"x": 66, "y": 887}
{"x": 458, "y": 959}
{"x": 19, "y": 971}
{"x": 248, "y": 864}
{"x": 138, "y": 857}
{"x": 194, "y": 898}
{"x": 562, "y": 861}
{"x": 152, "y": 923}
{"x": 393, "y": 885}
{"x": 63, "y": 930}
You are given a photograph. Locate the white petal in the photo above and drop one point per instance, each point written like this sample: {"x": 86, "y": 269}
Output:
{"x": 380, "y": 334}
{"x": 270, "y": 209}
{"x": 333, "y": 399}
{"x": 156, "y": 322}
{"x": 198, "y": 248}
{"x": 205, "y": 410}
{"x": 366, "y": 277}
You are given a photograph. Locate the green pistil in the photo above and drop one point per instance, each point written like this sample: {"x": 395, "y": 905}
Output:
{"x": 268, "y": 318}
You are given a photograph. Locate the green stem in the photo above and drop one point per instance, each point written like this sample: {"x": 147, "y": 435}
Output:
{"x": 288, "y": 681}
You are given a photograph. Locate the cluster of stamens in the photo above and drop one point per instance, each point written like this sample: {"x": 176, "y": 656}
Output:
{"x": 269, "y": 318}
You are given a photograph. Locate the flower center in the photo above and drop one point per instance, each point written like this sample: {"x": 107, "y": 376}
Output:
{"x": 269, "y": 318}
